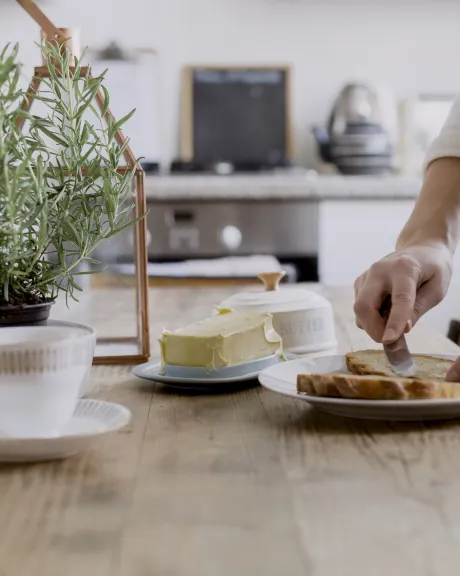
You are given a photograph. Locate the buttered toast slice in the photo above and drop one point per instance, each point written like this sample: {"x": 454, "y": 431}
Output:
{"x": 372, "y": 378}
{"x": 375, "y": 387}
{"x": 374, "y": 362}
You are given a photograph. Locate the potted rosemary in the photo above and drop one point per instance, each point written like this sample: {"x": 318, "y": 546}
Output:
{"x": 60, "y": 192}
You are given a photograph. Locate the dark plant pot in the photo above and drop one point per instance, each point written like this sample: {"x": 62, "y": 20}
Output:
{"x": 27, "y": 315}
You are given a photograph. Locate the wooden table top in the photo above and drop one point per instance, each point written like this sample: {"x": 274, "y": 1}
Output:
{"x": 246, "y": 484}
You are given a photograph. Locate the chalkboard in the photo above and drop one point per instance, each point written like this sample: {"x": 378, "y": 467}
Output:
{"x": 237, "y": 115}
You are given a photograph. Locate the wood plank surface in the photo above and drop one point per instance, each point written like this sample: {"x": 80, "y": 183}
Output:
{"x": 247, "y": 484}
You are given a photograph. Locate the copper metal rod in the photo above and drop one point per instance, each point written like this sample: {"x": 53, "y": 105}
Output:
{"x": 28, "y": 99}
{"x": 42, "y": 20}
{"x": 141, "y": 261}
{"x": 119, "y": 137}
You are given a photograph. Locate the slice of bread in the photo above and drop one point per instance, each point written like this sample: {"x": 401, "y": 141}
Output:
{"x": 367, "y": 362}
{"x": 375, "y": 387}
{"x": 371, "y": 377}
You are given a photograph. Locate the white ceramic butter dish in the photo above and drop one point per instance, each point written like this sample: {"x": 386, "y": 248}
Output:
{"x": 302, "y": 318}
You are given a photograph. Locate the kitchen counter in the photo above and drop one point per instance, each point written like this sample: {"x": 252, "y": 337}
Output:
{"x": 283, "y": 185}
{"x": 250, "y": 483}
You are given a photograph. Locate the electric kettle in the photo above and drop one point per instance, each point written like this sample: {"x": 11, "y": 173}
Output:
{"x": 356, "y": 139}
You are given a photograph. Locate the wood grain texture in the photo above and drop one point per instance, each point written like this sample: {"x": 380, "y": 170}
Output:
{"x": 251, "y": 483}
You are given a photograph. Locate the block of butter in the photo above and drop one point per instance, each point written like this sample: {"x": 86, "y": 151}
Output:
{"x": 226, "y": 339}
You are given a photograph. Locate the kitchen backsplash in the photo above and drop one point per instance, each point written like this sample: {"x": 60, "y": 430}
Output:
{"x": 411, "y": 47}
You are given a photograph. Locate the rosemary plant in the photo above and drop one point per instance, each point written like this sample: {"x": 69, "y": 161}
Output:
{"x": 60, "y": 192}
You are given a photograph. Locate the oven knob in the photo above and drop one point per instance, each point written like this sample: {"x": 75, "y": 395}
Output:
{"x": 148, "y": 239}
{"x": 231, "y": 237}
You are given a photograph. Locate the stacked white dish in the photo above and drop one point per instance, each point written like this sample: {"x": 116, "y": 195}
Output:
{"x": 42, "y": 369}
{"x": 43, "y": 372}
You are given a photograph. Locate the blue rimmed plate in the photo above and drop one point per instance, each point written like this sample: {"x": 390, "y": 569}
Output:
{"x": 185, "y": 378}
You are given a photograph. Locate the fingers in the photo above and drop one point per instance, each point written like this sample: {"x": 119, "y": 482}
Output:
{"x": 409, "y": 326}
{"x": 417, "y": 280}
{"x": 396, "y": 276}
{"x": 359, "y": 282}
{"x": 357, "y": 287}
{"x": 428, "y": 296}
{"x": 403, "y": 295}
{"x": 367, "y": 309}
{"x": 454, "y": 373}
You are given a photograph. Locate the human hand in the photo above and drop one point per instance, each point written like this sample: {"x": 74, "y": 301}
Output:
{"x": 417, "y": 279}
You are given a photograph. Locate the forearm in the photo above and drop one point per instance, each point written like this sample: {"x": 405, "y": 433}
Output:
{"x": 436, "y": 216}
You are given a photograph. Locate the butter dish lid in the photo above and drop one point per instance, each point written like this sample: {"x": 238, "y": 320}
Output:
{"x": 273, "y": 299}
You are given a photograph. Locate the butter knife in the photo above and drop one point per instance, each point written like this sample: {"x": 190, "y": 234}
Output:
{"x": 398, "y": 354}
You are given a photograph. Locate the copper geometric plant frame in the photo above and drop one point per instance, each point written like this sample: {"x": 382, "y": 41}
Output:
{"x": 142, "y": 340}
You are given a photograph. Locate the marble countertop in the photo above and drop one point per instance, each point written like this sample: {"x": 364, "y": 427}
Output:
{"x": 293, "y": 185}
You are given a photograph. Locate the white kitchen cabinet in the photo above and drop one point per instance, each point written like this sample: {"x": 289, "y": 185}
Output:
{"x": 355, "y": 233}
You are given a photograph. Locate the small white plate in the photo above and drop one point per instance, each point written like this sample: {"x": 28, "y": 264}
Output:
{"x": 283, "y": 380}
{"x": 91, "y": 418}
{"x": 185, "y": 378}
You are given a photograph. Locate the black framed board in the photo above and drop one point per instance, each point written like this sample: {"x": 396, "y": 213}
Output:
{"x": 236, "y": 114}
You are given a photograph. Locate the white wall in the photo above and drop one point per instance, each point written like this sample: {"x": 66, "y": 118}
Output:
{"x": 411, "y": 47}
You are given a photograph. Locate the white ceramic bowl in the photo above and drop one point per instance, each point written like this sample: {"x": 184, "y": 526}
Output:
{"x": 42, "y": 370}
{"x": 91, "y": 343}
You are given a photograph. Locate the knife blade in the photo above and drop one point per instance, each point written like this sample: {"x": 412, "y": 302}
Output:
{"x": 398, "y": 354}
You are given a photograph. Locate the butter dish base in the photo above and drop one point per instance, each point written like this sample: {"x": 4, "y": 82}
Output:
{"x": 184, "y": 377}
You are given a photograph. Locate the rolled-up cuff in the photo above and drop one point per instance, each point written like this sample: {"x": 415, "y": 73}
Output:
{"x": 447, "y": 144}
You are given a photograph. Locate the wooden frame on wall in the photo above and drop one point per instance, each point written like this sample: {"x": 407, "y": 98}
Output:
{"x": 187, "y": 126}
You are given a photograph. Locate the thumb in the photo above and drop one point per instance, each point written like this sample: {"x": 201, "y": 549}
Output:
{"x": 454, "y": 372}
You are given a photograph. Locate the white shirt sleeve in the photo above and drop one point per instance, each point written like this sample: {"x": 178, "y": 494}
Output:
{"x": 447, "y": 144}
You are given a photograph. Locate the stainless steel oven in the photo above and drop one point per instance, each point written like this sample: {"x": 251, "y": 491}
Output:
{"x": 184, "y": 230}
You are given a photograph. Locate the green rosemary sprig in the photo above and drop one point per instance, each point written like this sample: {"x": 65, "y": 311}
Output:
{"x": 60, "y": 192}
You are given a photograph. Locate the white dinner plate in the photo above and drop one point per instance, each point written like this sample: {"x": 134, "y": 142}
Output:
{"x": 91, "y": 419}
{"x": 184, "y": 378}
{"x": 282, "y": 379}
